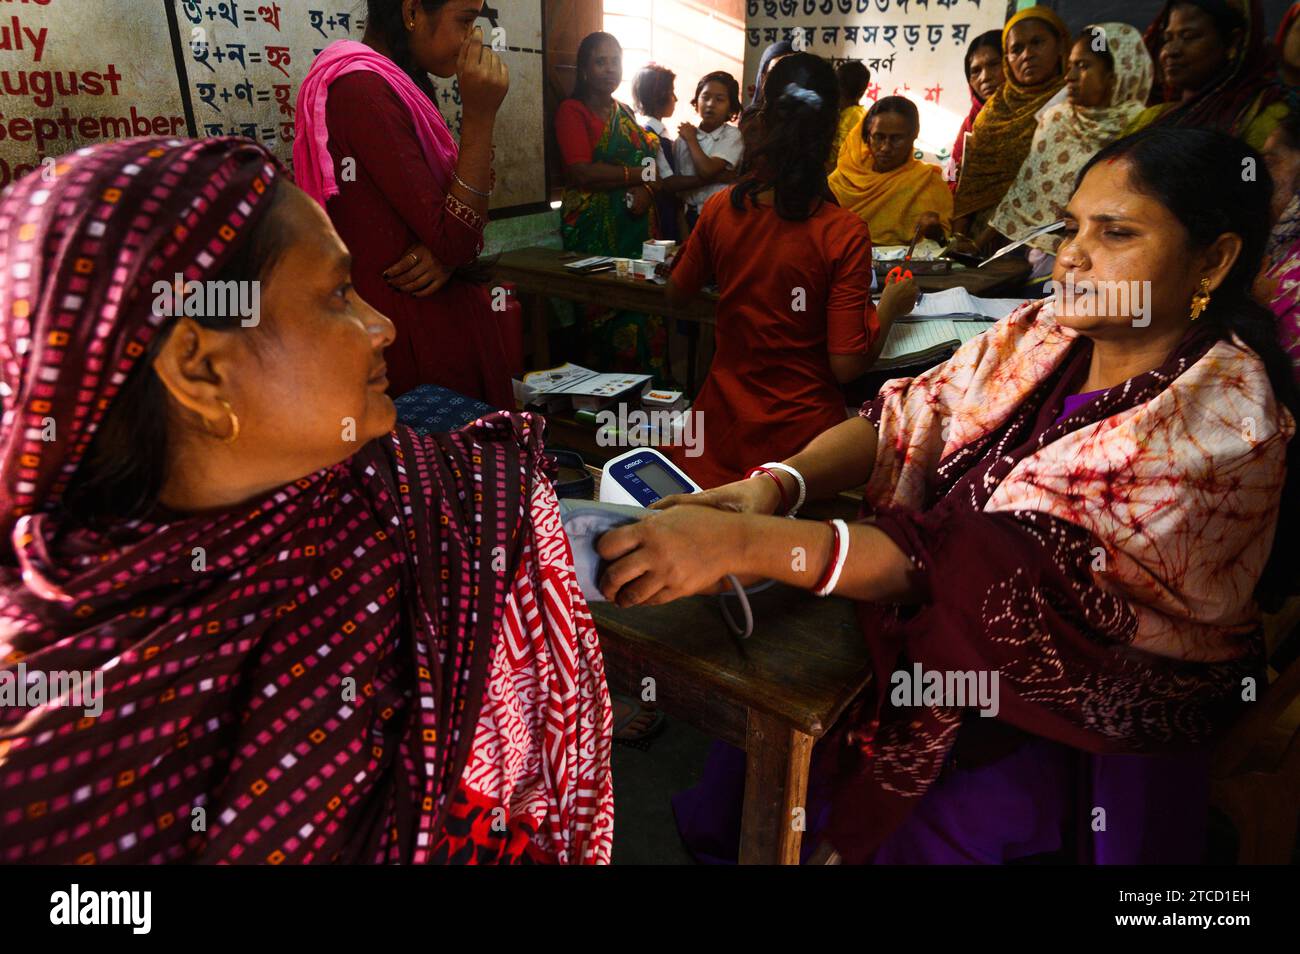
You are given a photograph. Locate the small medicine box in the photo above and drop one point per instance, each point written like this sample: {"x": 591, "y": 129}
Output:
{"x": 658, "y": 250}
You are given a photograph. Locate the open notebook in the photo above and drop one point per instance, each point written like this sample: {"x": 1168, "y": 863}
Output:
{"x": 941, "y": 323}
{"x": 929, "y": 340}
{"x": 958, "y": 302}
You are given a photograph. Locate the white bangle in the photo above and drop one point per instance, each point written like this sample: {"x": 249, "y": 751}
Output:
{"x": 841, "y": 557}
{"x": 803, "y": 487}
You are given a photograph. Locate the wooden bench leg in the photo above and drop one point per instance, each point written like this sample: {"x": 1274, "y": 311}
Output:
{"x": 776, "y": 785}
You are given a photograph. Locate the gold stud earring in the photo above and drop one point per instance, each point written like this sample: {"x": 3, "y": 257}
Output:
{"x": 1201, "y": 300}
{"x": 234, "y": 424}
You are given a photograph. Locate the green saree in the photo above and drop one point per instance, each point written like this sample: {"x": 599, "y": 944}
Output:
{"x": 600, "y": 223}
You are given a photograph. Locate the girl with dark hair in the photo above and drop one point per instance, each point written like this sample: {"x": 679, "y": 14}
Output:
{"x": 312, "y": 628}
{"x": 879, "y": 178}
{"x": 411, "y": 204}
{"x": 1280, "y": 282}
{"x": 610, "y": 168}
{"x": 1090, "y": 502}
{"x": 652, "y": 91}
{"x": 708, "y": 156}
{"x": 854, "y": 79}
{"x": 793, "y": 271}
{"x": 984, "y": 75}
{"x": 655, "y": 100}
{"x": 1214, "y": 69}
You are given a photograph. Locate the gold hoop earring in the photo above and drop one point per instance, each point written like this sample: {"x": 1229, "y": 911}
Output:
{"x": 1201, "y": 300}
{"x": 234, "y": 424}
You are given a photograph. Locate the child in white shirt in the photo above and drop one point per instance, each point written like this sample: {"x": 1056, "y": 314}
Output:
{"x": 707, "y": 158}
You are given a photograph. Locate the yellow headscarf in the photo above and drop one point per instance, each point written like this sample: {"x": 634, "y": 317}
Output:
{"x": 1004, "y": 128}
{"x": 1068, "y": 136}
{"x": 889, "y": 202}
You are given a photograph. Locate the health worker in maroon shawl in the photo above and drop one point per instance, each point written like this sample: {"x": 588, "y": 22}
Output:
{"x": 308, "y": 636}
{"x": 1085, "y": 507}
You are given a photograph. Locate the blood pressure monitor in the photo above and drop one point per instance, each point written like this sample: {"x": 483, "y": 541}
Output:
{"x": 640, "y": 477}
{"x": 636, "y": 480}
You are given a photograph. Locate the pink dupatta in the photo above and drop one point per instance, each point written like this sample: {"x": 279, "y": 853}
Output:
{"x": 313, "y": 166}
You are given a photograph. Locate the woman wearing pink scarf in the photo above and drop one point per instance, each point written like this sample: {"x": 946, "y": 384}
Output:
{"x": 411, "y": 206}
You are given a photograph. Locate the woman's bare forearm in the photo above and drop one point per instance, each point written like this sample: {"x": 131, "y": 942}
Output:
{"x": 797, "y": 552}
{"x": 836, "y": 460}
{"x": 475, "y": 163}
{"x": 679, "y": 183}
{"x": 604, "y": 176}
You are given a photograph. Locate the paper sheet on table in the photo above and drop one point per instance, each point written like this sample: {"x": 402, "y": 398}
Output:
{"x": 916, "y": 337}
{"x": 926, "y": 250}
{"x": 572, "y": 379}
{"x": 958, "y": 301}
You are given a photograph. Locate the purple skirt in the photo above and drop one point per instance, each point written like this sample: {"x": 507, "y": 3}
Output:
{"x": 1043, "y": 802}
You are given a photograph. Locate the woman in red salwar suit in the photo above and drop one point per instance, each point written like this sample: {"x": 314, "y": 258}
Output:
{"x": 793, "y": 270}
{"x": 409, "y": 203}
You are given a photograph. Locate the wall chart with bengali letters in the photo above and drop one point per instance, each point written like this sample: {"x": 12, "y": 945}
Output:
{"x": 74, "y": 73}
{"x": 914, "y": 48}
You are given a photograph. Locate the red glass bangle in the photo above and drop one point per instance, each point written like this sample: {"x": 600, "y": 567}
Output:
{"x": 780, "y": 487}
{"x": 827, "y": 573}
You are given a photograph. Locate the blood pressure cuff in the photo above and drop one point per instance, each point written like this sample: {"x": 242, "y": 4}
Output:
{"x": 585, "y": 522}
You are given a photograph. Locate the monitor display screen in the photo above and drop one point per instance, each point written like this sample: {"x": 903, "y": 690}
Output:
{"x": 659, "y": 479}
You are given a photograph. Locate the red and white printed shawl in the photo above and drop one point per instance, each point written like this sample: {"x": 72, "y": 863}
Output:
{"x": 1104, "y": 565}
{"x": 388, "y": 660}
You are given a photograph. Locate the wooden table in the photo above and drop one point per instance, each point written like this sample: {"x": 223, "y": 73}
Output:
{"x": 539, "y": 273}
{"x": 1005, "y": 276}
{"x": 773, "y": 695}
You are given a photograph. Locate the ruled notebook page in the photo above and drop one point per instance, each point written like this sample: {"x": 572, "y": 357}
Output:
{"x": 918, "y": 337}
{"x": 913, "y": 337}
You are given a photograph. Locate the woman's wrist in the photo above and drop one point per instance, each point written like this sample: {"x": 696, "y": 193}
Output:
{"x": 791, "y": 487}
{"x": 476, "y": 125}
{"x": 771, "y": 489}
{"x": 886, "y": 313}
{"x": 745, "y": 557}
{"x": 795, "y": 552}
{"x": 794, "y": 491}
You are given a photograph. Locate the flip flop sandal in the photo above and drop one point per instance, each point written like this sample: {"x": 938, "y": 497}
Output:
{"x": 639, "y": 740}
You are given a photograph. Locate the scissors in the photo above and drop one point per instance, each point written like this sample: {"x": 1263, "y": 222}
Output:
{"x": 900, "y": 274}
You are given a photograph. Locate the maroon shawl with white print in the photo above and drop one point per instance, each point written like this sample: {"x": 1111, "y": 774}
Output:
{"x": 1104, "y": 565}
